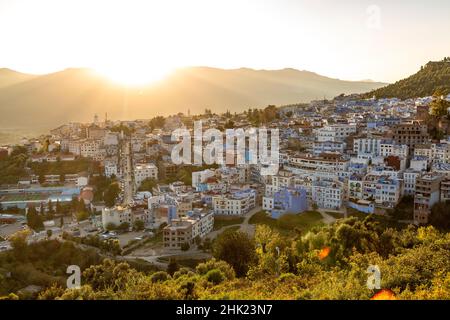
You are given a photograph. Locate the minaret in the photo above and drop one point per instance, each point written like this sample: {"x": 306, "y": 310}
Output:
{"x": 128, "y": 175}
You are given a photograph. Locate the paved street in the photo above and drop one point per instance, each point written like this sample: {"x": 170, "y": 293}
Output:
{"x": 8, "y": 229}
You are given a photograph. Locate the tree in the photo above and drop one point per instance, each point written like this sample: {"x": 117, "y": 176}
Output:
{"x": 159, "y": 276}
{"x": 19, "y": 244}
{"x": 236, "y": 248}
{"x": 82, "y": 215}
{"x": 58, "y": 207}
{"x": 206, "y": 245}
{"x": 439, "y": 107}
{"x": 139, "y": 225}
{"x": 50, "y": 206}
{"x": 124, "y": 226}
{"x": 148, "y": 184}
{"x": 215, "y": 276}
{"x": 34, "y": 220}
{"x": 185, "y": 246}
{"x": 157, "y": 122}
{"x": 440, "y": 216}
{"x": 229, "y": 124}
{"x": 61, "y": 222}
{"x": 111, "y": 194}
{"x": 41, "y": 179}
{"x": 198, "y": 240}
{"x": 173, "y": 266}
{"x": 111, "y": 226}
{"x": 213, "y": 264}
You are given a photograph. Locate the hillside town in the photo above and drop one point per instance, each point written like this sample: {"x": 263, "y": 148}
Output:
{"x": 115, "y": 179}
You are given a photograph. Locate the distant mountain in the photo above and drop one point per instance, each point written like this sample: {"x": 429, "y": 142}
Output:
{"x": 78, "y": 94}
{"x": 435, "y": 75}
{"x": 10, "y": 77}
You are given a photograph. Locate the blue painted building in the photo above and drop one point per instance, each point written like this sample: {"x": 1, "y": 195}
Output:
{"x": 362, "y": 206}
{"x": 287, "y": 200}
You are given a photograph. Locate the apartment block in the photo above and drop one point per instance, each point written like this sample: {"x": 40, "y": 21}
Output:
{"x": 409, "y": 181}
{"x": 367, "y": 145}
{"x": 328, "y": 194}
{"x": 143, "y": 171}
{"x": 427, "y": 194}
{"x": 186, "y": 229}
{"x": 235, "y": 203}
{"x": 385, "y": 190}
{"x": 390, "y": 148}
{"x": 335, "y": 132}
{"x": 411, "y": 133}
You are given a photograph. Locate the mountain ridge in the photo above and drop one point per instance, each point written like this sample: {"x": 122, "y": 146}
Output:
{"x": 10, "y": 77}
{"x": 76, "y": 94}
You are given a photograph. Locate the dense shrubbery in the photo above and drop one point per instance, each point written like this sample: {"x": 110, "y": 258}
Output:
{"x": 328, "y": 262}
{"x": 41, "y": 264}
{"x": 13, "y": 166}
{"x": 413, "y": 263}
{"x": 110, "y": 246}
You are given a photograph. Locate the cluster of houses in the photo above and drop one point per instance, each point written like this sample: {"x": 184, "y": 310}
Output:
{"x": 364, "y": 154}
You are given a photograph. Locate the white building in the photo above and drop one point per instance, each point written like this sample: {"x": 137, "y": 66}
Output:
{"x": 328, "y": 194}
{"x": 110, "y": 169}
{"x": 284, "y": 179}
{"x": 409, "y": 179}
{"x": 370, "y": 146}
{"x": 419, "y": 163}
{"x": 118, "y": 215}
{"x": 237, "y": 203}
{"x": 307, "y": 163}
{"x": 389, "y": 148}
{"x": 91, "y": 149}
{"x": 144, "y": 171}
{"x": 335, "y": 132}
{"x": 327, "y": 147}
{"x": 385, "y": 190}
{"x": 73, "y": 146}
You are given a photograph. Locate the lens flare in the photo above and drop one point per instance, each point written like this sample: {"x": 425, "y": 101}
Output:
{"x": 384, "y": 294}
{"x": 324, "y": 253}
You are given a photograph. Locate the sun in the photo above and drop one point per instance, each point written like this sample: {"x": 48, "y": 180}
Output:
{"x": 135, "y": 75}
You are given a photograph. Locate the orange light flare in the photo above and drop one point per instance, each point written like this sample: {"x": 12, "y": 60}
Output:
{"x": 324, "y": 253}
{"x": 384, "y": 294}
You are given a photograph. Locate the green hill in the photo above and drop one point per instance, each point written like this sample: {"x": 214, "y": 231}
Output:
{"x": 435, "y": 75}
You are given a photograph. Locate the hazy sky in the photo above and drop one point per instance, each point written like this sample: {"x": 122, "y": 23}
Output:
{"x": 347, "y": 39}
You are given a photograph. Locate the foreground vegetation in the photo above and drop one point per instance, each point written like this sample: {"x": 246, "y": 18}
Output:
{"x": 327, "y": 262}
{"x": 289, "y": 224}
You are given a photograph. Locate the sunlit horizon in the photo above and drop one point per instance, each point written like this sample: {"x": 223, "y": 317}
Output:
{"x": 134, "y": 76}
{"x": 138, "y": 42}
